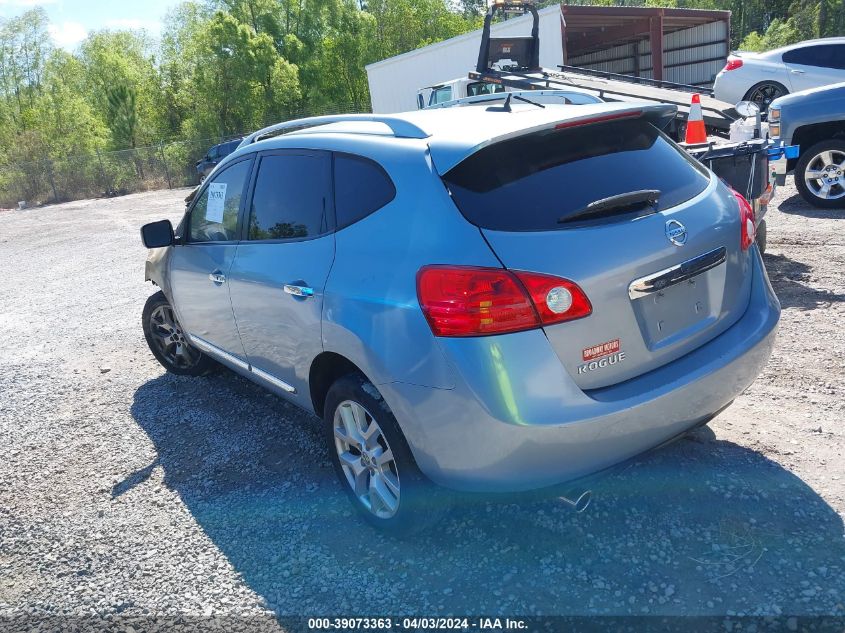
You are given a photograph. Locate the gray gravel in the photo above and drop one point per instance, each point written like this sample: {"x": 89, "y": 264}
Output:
{"x": 125, "y": 491}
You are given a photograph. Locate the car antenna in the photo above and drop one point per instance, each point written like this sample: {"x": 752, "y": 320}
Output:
{"x": 505, "y": 107}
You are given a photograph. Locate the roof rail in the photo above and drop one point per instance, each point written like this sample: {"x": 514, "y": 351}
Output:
{"x": 400, "y": 127}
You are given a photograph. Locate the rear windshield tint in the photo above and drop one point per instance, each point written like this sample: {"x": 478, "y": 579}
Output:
{"x": 529, "y": 183}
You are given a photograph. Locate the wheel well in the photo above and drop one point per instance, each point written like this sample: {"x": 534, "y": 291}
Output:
{"x": 808, "y": 135}
{"x": 325, "y": 370}
{"x": 763, "y": 83}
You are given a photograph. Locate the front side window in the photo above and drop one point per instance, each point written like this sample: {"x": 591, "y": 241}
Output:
{"x": 291, "y": 199}
{"x": 214, "y": 217}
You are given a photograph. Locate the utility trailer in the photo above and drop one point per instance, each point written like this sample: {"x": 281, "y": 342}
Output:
{"x": 718, "y": 115}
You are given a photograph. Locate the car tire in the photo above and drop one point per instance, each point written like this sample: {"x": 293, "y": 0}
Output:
{"x": 764, "y": 93}
{"x": 392, "y": 495}
{"x": 168, "y": 343}
{"x": 824, "y": 157}
{"x": 761, "y": 236}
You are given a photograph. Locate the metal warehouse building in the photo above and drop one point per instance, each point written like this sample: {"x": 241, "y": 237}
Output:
{"x": 694, "y": 45}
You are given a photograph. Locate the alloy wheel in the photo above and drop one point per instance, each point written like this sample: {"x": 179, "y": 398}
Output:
{"x": 366, "y": 459}
{"x": 763, "y": 95}
{"x": 825, "y": 175}
{"x": 170, "y": 340}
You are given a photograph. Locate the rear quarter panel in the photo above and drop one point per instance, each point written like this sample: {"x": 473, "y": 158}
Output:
{"x": 733, "y": 85}
{"x": 371, "y": 312}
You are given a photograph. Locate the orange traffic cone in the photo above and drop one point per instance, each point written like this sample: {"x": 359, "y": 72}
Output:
{"x": 695, "y": 123}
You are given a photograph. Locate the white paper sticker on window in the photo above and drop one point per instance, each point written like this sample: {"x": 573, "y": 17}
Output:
{"x": 216, "y": 202}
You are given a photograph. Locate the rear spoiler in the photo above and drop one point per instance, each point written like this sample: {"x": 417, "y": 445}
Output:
{"x": 659, "y": 115}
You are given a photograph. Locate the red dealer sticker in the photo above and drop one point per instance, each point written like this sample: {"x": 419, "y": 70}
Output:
{"x": 598, "y": 351}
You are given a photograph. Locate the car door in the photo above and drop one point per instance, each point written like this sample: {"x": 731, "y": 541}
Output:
{"x": 282, "y": 263}
{"x": 200, "y": 264}
{"x": 817, "y": 65}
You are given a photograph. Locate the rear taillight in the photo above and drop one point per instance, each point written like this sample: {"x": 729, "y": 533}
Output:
{"x": 733, "y": 63}
{"x": 746, "y": 218}
{"x": 555, "y": 299}
{"x": 470, "y": 301}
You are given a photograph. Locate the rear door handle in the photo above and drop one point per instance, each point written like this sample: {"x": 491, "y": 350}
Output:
{"x": 299, "y": 291}
{"x": 217, "y": 277}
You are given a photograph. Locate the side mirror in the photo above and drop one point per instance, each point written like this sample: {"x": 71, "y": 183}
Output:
{"x": 157, "y": 234}
{"x": 747, "y": 109}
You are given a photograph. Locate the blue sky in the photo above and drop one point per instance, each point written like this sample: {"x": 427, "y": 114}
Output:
{"x": 71, "y": 20}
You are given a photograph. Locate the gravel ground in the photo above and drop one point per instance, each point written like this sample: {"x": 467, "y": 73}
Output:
{"x": 128, "y": 492}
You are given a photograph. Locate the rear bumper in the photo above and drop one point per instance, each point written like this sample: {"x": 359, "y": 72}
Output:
{"x": 516, "y": 421}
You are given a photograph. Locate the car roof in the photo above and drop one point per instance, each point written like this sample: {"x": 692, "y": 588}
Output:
{"x": 451, "y": 134}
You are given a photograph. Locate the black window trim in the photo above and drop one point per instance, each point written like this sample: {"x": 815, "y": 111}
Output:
{"x": 246, "y": 211}
{"x": 365, "y": 159}
{"x": 186, "y": 239}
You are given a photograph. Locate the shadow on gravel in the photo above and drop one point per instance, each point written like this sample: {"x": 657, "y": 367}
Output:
{"x": 699, "y": 527}
{"x": 789, "y": 278}
{"x": 796, "y": 205}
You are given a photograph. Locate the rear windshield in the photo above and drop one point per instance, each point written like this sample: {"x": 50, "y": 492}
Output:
{"x": 531, "y": 182}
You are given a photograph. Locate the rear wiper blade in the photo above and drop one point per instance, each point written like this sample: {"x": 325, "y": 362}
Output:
{"x": 524, "y": 100}
{"x": 614, "y": 204}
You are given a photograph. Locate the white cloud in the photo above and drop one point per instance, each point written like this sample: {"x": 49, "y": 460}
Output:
{"x": 67, "y": 34}
{"x": 153, "y": 26}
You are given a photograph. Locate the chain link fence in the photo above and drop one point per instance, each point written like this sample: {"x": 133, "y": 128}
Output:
{"x": 166, "y": 165}
{"x": 100, "y": 174}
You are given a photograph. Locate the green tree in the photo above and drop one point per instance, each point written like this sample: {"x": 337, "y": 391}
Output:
{"x": 24, "y": 49}
{"x": 122, "y": 115}
{"x": 237, "y": 78}
{"x": 118, "y": 61}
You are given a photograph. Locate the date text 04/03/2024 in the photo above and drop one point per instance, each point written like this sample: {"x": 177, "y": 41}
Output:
{"x": 417, "y": 623}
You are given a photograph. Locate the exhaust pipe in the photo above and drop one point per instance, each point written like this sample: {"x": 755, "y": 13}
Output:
{"x": 578, "y": 499}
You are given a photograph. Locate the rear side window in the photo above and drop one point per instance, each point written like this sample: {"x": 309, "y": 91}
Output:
{"x": 530, "y": 182}
{"x": 291, "y": 197}
{"x": 822, "y": 56}
{"x": 360, "y": 187}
